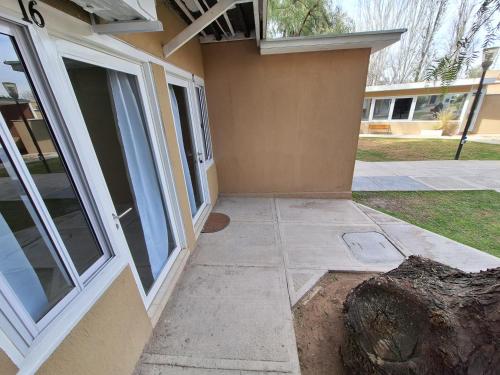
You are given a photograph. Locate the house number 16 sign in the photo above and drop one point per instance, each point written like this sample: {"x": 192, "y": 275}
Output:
{"x": 31, "y": 15}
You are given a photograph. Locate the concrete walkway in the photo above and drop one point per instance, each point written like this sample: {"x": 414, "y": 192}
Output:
{"x": 230, "y": 313}
{"x": 427, "y": 175}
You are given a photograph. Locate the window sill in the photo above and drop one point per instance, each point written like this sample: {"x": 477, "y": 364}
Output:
{"x": 52, "y": 336}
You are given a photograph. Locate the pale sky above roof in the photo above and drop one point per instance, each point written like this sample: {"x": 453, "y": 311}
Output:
{"x": 351, "y": 7}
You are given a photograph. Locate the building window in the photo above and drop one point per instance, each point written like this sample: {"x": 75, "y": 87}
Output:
{"x": 381, "y": 109}
{"x": 401, "y": 109}
{"x": 205, "y": 125}
{"x": 429, "y": 106}
{"x": 49, "y": 245}
{"x": 365, "y": 114}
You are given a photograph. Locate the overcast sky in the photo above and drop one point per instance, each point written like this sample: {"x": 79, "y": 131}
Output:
{"x": 351, "y": 8}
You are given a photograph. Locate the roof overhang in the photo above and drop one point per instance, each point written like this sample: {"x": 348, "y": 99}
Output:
{"x": 429, "y": 84}
{"x": 375, "y": 40}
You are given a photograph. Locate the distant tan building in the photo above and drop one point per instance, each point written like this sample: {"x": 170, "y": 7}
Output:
{"x": 419, "y": 108}
{"x": 108, "y": 172}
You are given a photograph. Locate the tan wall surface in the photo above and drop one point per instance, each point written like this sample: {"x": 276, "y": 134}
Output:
{"x": 188, "y": 57}
{"x": 284, "y": 124}
{"x": 213, "y": 183}
{"x": 174, "y": 152}
{"x": 488, "y": 119}
{"x": 109, "y": 339}
{"x": 7, "y": 367}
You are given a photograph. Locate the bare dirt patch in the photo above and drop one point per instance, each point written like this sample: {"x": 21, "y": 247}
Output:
{"x": 319, "y": 323}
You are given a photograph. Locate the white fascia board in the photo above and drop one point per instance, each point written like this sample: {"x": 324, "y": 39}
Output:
{"x": 375, "y": 40}
{"x": 428, "y": 84}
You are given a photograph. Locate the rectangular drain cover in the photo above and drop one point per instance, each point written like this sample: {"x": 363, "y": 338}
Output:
{"x": 372, "y": 247}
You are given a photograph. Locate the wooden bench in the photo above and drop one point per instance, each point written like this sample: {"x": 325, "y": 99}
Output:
{"x": 379, "y": 128}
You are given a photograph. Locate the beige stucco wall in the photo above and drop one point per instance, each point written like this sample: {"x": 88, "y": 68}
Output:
{"x": 488, "y": 119}
{"x": 109, "y": 339}
{"x": 7, "y": 367}
{"x": 284, "y": 124}
{"x": 213, "y": 183}
{"x": 188, "y": 57}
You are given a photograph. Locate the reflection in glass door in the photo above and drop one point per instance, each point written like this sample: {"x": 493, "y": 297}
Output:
{"x": 28, "y": 260}
{"x": 191, "y": 156}
{"x": 28, "y": 127}
{"x": 111, "y": 106}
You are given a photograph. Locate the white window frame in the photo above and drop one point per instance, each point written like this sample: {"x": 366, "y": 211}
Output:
{"x": 154, "y": 130}
{"x": 183, "y": 80}
{"x": 71, "y": 29}
{"x": 200, "y": 84}
{"x": 23, "y": 320}
{"x": 412, "y": 108}
{"x": 391, "y": 106}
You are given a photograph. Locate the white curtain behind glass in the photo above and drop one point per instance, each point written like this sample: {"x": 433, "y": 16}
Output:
{"x": 19, "y": 273}
{"x": 139, "y": 159}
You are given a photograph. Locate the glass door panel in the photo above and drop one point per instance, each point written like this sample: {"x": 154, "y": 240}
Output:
{"x": 34, "y": 140}
{"x": 28, "y": 260}
{"x": 111, "y": 106}
{"x": 191, "y": 157}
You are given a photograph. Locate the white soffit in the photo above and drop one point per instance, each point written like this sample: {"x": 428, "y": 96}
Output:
{"x": 429, "y": 84}
{"x": 375, "y": 40}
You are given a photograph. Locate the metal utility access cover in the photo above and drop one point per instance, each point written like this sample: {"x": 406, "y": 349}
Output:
{"x": 372, "y": 247}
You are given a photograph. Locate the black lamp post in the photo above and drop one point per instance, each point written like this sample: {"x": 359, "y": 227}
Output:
{"x": 11, "y": 89}
{"x": 489, "y": 55}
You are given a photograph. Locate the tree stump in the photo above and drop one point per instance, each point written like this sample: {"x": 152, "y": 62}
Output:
{"x": 424, "y": 318}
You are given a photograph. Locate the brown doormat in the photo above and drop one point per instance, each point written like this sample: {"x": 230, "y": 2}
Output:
{"x": 215, "y": 222}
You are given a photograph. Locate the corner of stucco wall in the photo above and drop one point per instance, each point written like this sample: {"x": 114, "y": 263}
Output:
{"x": 213, "y": 183}
{"x": 7, "y": 367}
{"x": 110, "y": 337}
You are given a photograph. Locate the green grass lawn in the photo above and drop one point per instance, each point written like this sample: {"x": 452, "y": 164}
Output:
{"x": 393, "y": 149}
{"x": 469, "y": 217}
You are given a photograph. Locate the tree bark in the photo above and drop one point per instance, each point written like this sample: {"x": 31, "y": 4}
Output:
{"x": 424, "y": 318}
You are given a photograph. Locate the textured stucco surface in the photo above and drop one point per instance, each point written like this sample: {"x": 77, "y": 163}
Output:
{"x": 7, "y": 367}
{"x": 188, "y": 57}
{"x": 213, "y": 183}
{"x": 110, "y": 337}
{"x": 284, "y": 124}
{"x": 488, "y": 119}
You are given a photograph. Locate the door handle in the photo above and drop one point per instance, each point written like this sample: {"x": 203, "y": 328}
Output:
{"x": 200, "y": 157}
{"x": 118, "y": 217}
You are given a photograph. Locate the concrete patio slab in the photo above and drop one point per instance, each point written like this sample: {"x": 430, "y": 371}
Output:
{"x": 372, "y": 247}
{"x": 441, "y": 249}
{"x": 230, "y": 312}
{"x": 448, "y": 183}
{"x": 246, "y": 208}
{"x": 226, "y": 318}
{"x": 240, "y": 243}
{"x": 325, "y": 211}
{"x": 389, "y": 183}
{"x": 433, "y": 174}
{"x": 302, "y": 281}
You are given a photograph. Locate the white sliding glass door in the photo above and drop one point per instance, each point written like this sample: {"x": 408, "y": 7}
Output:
{"x": 110, "y": 95}
{"x": 186, "y": 116}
